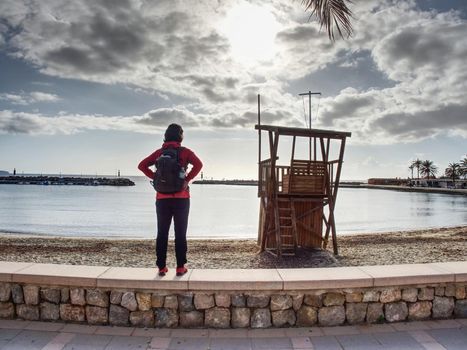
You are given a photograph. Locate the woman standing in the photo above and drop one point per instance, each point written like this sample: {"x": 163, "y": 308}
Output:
{"x": 171, "y": 202}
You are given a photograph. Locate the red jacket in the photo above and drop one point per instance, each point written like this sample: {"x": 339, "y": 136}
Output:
{"x": 186, "y": 156}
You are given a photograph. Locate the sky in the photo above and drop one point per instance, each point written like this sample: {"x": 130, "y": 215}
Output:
{"x": 89, "y": 87}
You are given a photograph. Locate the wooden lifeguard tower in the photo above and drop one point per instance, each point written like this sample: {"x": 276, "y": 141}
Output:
{"x": 297, "y": 199}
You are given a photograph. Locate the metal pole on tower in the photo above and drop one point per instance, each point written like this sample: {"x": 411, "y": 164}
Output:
{"x": 309, "y": 93}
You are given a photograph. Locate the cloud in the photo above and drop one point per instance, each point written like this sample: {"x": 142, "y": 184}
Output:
{"x": 347, "y": 105}
{"x": 28, "y": 98}
{"x": 416, "y": 126}
{"x": 161, "y": 117}
{"x": 153, "y": 121}
{"x": 170, "y": 48}
{"x": 249, "y": 119}
{"x": 36, "y": 124}
{"x": 13, "y": 99}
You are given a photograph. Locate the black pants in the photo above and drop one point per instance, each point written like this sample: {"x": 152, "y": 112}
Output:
{"x": 166, "y": 209}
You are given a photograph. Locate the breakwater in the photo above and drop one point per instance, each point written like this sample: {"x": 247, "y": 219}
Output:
{"x": 70, "y": 180}
{"x": 227, "y": 182}
{"x": 255, "y": 183}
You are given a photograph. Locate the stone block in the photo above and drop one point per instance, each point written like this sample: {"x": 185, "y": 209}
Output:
{"x": 420, "y": 310}
{"x": 157, "y": 301}
{"x": 258, "y": 300}
{"x": 222, "y": 300}
{"x": 49, "y": 311}
{"x": 166, "y": 318}
{"x": 439, "y": 291}
{"x": 65, "y": 295}
{"x": 73, "y": 313}
{"x": 118, "y": 315}
{"x": 410, "y": 294}
{"x": 353, "y": 297}
{"x": 460, "y": 292}
{"x": 7, "y": 310}
{"x": 460, "y": 309}
{"x": 261, "y": 318}
{"x": 191, "y": 319}
{"x": 450, "y": 290}
{"x": 281, "y": 302}
{"x": 142, "y": 318}
{"x": 297, "y": 301}
{"x": 334, "y": 299}
{"x": 185, "y": 302}
{"x": 355, "y": 312}
{"x": 307, "y": 316}
{"x": 395, "y": 312}
{"x": 5, "y": 292}
{"x": 331, "y": 315}
{"x": 28, "y": 312}
{"x": 371, "y": 296}
{"x": 217, "y": 317}
{"x": 283, "y": 318}
{"x": 78, "y": 296}
{"x": 97, "y": 315}
{"x": 97, "y": 297}
{"x": 144, "y": 301}
{"x": 443, "y": 307}
{"x": 238, "y": 300}
{"x": 204, "y": 301}
{"x": 241, "y": 317}
{"x": 17, "y": 294}
{"x": 390, "y": 295}
{"x": 426, "y": 293}
{"x": 31, "y": 295}
{"x": 116, "y": 297}
{"x": 50, "y": 294}
{"x": 171, "y": 302}
{"x": 315, "y": 300}
{"x": 129, "y": 301}
{"x": 374, "y": 313}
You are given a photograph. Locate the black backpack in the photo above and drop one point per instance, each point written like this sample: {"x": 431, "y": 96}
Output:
{"x": 170, "y": 175}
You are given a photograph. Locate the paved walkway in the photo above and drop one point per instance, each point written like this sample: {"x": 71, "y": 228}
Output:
{"x": 444, "y": 334}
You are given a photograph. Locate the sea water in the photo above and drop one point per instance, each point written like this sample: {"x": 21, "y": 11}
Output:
{"x": 217, "y": 211}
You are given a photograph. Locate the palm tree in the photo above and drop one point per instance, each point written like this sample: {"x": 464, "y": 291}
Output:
{"x": 463, "y": 167}
{"x": 428, "y": 168}
{"x": 453, "y": 171}
{"x": 331, "y": 13}
{"x": 417, "y": 164}
{"x": 411, "y": 167}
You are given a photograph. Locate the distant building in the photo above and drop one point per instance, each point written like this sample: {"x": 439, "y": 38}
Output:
{"x": 440, "y": 183}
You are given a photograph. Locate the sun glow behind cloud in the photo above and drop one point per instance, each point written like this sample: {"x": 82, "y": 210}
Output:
{"x": 251, "y": 31}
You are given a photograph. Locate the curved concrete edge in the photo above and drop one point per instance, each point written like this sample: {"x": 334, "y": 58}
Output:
{"x": 235, "y": 279}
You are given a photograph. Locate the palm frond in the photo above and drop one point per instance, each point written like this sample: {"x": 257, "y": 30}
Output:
{"x": 331, "y": 13}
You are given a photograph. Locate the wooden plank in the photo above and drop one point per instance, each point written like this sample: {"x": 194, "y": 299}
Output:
{"x": 334, "y": 196}
{"x": 303, "y": 132}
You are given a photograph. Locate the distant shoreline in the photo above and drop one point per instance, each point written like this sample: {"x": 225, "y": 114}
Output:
{"x": 64, "y": 181}
{"x": 347, "y": 184}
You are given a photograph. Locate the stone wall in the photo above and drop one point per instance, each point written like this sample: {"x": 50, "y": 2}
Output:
{"x": 331, "y": 307}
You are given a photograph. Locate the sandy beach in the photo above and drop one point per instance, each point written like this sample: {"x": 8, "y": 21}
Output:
{"x": 420, "y": 246}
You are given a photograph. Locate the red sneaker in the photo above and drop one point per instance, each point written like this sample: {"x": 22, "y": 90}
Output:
{"x": 163, "y": 271}
{"x": 181, "y": 270}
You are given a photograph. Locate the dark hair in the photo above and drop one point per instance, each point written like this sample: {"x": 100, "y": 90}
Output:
{"x": 173, "y": 133}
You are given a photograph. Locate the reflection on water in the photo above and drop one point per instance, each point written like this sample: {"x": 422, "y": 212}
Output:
{"x": 216, "y": 211}
{"x": 422, "y": 211}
